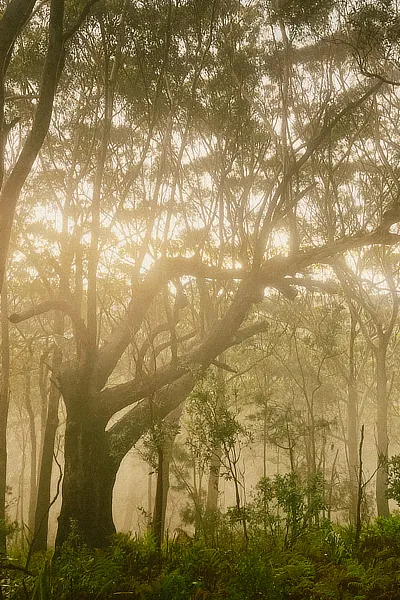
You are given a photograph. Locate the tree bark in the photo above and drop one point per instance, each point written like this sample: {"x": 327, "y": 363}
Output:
{"x": 352, "y": 432}
{"x": 93, "y": 457}
{"x": 213, "y": 482}
{"x": 382, "y": 439}
{"x": 4, "y": 404}
{"x": 162, "y": 488}
{"x": 360, "y": 489}
{"x": 43, "y": 500}
{"x": 33, "y": 457}
{"x": 157, "y": 525}
{"x": 88, "y": 483}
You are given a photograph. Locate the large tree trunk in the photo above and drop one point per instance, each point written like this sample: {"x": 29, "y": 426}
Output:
{"x": 89, "y": 479}
{"x": 93, "y": 456}
{"x": 382, "y": 439}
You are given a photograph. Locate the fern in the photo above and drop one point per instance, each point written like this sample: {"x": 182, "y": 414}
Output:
{"x": 42, "y": 589}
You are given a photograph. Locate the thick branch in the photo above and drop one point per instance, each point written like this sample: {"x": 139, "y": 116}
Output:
{"x": 13, "y": 20}
{"x": 163, "y": 271}
{"x": 130, "y": 428}
{"x": 278, "y": 267}
{"x": 221, "y": 336}
{"x": 224, "y": 335}
{"x": 54, "y": 304}
{"x": 327, "y": 287}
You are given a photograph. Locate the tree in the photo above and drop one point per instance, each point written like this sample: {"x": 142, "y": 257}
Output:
{"x": 379, "y": 343}
{"x": 15, "y": 18}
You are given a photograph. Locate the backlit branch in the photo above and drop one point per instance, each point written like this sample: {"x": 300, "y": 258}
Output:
{"x": 49, "y": 305}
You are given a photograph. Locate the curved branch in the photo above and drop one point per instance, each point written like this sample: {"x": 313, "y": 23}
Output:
{"x": 166, "y": 269}
{"x": 278, "y": 267}
{"x": 327, "y": 287}
{"x": 124, "y": 434}
{"x": 54, "y": 304}
{"x": 271, "y": 274}
{"x": 158, "y": 349}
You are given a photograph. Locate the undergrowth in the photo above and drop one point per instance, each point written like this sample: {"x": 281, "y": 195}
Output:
{"x": 322, "y": 564}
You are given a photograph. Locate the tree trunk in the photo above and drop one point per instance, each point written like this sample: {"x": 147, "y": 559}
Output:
{"x": 210, "y": 523}
{"x": 33, "y": 458}
{"x": 164, "y": 462}
{"x": 215, "y": 469}
{"x": 157, "y": 525}
{"x": 352, "y": 432}
{"x": 382, "y": 440}
{"x": 360, "y": 490}
{"x": 52, "y": 69}
{"x": 4, "y": 403}
{"x": 213, "y": 482}
{"x": 89, "y": 479}
{"x": 39, "y": 541}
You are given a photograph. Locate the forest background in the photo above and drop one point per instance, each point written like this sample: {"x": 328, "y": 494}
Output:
{"x": 199, "y": 213}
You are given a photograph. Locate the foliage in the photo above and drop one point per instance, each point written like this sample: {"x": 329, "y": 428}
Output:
{"x": 285, "y": 506}
{"x": 394, "y": 478}
{"x": 156, "y": 440}
{"x": 322, "y": 564}
{"x": 214, "y": 424}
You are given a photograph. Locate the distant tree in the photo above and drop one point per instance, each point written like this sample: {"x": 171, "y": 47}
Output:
{"x": 215, "y": 429}
{"x": 377, "y": 316}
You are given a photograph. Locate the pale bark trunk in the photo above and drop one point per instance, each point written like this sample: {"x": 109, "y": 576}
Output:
{"x": 33, "y": 458}
{"x": 382, "y": 439}
{"x": 4, "y": 404}
{"x": 352, "y": 431}
{"x": 129, "y": 505}
{"x": 46, "y": 466}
